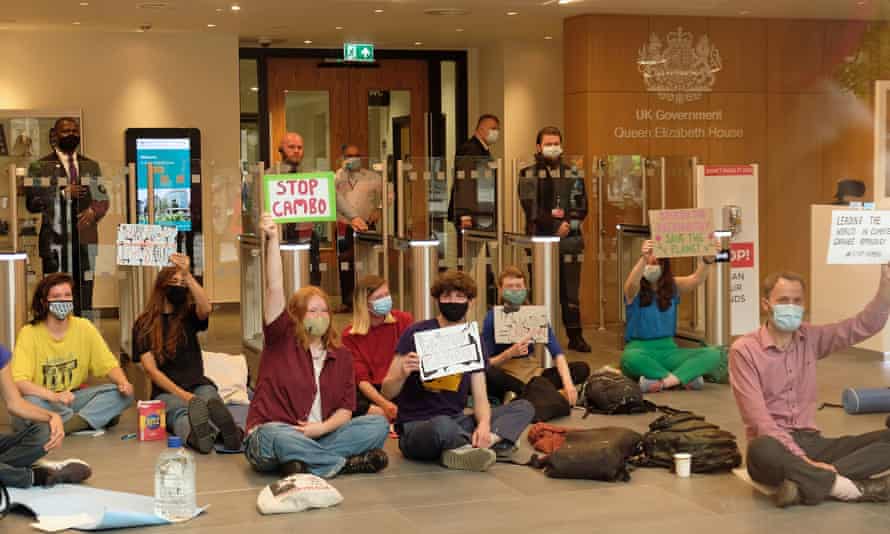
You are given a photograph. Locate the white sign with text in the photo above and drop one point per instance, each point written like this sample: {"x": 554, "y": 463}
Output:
{"x": 859, "y": 237}
{"x": 449, "y": 351}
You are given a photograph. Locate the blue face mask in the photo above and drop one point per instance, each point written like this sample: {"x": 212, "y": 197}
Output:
{"x": 787, "y": 317}
{"x": 382, "y": 306}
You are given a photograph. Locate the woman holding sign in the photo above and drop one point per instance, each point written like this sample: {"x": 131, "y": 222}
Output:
{"x": 652, "y": 295}
{"x": 510, "y": 365}
{"x": 300, "y": 419}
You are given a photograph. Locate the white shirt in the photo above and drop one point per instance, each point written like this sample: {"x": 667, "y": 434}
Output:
{"x": 318, "y": 357}
{"x": 64, "y": 159}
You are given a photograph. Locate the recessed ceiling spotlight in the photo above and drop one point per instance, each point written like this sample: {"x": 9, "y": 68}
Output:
{"x": 84, "y": 4}
{"x": 307, "y": 41}
{"x": 219, "y": 10}
{"x": 744, "y": 12}
{"x": 211, "y": 25}
{"x": 548, "y": 37}
{"x": 511, "y": 13}
{"x": 378, "y": 11}
{"x": 564, "y": 2}
{"x": 338, "y": 27}
{"x": 459, "y": 30}
{"x": 76, "y": 23}
{"x": 153, "y": 5}
{"x": 255, "y": 89}
{"x": 418, "y": 43}
{"x": 235, "y": 7}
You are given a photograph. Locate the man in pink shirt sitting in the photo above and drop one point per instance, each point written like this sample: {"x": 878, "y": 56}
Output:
{"x": 773, "y": 377}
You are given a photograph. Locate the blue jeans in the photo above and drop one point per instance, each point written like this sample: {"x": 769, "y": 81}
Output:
{"x": 97, "y": 406}
{"x": 178, "y": 410}
{"x": 273, "y": 444}
{"x": 18, "y": 451}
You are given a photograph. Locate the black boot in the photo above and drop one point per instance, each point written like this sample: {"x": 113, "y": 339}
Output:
{"x": 874, "y": 489}
{"x": 292, "y": 468}
{"x": 372, "y": 461}
{"x": 787, "y": 495}
{"x": 222, "y": 419}
{"x": 578, "y": 344}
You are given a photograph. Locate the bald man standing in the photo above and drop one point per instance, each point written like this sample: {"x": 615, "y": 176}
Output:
{"x": 291, "y": 151}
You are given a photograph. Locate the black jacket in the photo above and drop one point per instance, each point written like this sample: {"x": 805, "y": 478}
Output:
{"x": 470, "y": 156}
{"x": 542, "y": 189}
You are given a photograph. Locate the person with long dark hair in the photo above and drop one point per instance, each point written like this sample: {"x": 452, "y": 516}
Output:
{"x": 300, "y": 419}
{"x": 165, "y": 340}
{"x": 652, "y": 295}
{"x": 55, "y": 355}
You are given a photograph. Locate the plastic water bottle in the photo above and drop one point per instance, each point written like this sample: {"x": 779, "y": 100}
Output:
{"x": 175, "y": 482}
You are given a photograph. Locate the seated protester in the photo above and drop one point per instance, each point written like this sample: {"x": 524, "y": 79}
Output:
{"x": 54, "y": 356}
{"x": 20, "y": 451}
{"x": 431, "y": 420}
{"x": 652, "y": 295}
{"x": 773, "y": 377}
{"x": 510, "y": 366}
{"x": 165, "y": 340}
{"x": 300, "y": 419}
{"x": 372, "y": 339}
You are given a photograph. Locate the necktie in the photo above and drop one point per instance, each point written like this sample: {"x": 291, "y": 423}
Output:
{"x": 72, "y": 170}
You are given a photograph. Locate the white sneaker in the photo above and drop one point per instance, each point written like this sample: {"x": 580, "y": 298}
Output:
{"x": 70, "y": 471}
{"x": 469, "y": 458}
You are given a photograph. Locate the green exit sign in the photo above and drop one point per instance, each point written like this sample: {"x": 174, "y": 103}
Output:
{"x": 358, "y": 52}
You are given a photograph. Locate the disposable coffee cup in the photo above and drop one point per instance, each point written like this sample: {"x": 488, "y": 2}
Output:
{"x": 683, "y": 464}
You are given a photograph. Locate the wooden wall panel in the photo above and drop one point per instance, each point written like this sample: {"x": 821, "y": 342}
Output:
{"x": 794, "y": 59}
{"x": 745, "y": 111}
{"x": 679, "y": 146}
{"x": 609, "y": 111}
{"x": 742, "y": 45}
{"x": 576, "y": 52}
{"x": 614, "y": 43}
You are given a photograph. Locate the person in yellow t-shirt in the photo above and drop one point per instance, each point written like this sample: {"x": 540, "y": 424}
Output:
{"x": 56, "y": 353}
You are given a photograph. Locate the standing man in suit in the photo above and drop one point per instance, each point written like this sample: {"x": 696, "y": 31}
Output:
{"x": 555, "y": 204}
{"x": 291, "y": 150}
{"x": 71, "y": 207}
{"x": 463, "y": 205}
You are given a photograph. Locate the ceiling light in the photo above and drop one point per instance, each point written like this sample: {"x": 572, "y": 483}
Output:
{"x": 84, "y": 4}
{"x": 338, "y": 28}
{"x": 255, "y": 89}
{"x": 459, "y": 30}
{"x": 744, "y": 12}
{"x": 418, "y": 43}
{"x": 548, "y": 37}
{"x": 446, "y": 12}
{"x": 76, "y": 23}
{"x": 564, "y": 2}
{"x": 153, "y": 5}
{"x": 307, "y": 41}
{"x": 235, "y": 7}
{"x": 219, "y": 10}
{"x": 378, "y": 11}
{"x": 211, "y": 25}
{"x": 511, "y": 13}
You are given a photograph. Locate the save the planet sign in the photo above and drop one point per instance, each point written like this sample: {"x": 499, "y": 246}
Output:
{"x": 301, "y": 197}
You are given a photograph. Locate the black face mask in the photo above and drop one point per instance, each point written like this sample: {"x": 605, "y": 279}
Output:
{"x": 69, "y": 143}
{"x": 176, "y": 295}
{"x": 453, "y": 311}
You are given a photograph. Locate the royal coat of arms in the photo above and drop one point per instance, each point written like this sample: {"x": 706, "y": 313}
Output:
{"x": 679, "y": 72}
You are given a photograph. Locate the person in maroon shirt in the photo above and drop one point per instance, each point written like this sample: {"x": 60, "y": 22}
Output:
{"x": 773, "y": 377}
{"x": 372, "y": 339}
{"x": 300, "y": 419}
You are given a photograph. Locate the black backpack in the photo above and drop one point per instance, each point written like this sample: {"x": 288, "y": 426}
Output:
{"x": 547, "y": 400}
{"x": 611, "y": 393}
{"x": 712, "y": 448}
{"x": 595, "y": 454}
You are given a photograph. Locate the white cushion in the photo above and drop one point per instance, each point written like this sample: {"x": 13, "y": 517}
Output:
{"x": 297, "y": 493}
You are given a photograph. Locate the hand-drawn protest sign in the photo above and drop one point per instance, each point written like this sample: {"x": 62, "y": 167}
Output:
{"x": 301, "y": 197}
{"x": 680, "y": 233}
{"x": 513, "y": 326}
{"x": 449, "y": 351}
{"x": 145, "y": 244}
{"x": 859, "y": 237}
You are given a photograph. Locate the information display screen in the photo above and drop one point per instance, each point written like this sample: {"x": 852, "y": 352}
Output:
{"x": 170, "y": 159}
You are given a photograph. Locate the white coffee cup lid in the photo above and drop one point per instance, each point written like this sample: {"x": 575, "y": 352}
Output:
{"x": 682, "y": 456}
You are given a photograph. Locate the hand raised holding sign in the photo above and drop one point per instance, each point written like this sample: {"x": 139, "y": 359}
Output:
{"x": 648, "y": 248}
{"x": 269, "y": 226}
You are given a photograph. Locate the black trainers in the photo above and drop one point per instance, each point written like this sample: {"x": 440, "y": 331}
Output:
{"x": 372, "y": 461}
{"x": 874, "y": 489}
{"x": 71, "y": 471}
{"x": 222, "y": 419}
{"x": 201, "y": 437}
{"x": 292, "y": 468}
{"x": 578, "y": 344}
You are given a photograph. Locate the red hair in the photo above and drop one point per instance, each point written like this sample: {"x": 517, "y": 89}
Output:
{"x": 296, "y": 309}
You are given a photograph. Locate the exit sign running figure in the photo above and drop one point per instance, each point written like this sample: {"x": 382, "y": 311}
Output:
{"x": 358, "y": 52}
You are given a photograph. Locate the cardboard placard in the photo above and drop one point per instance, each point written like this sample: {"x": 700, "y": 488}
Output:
{"x": 145, "y": 244}
{"x": 301, "y": 197}
{"x": 512, "y": 327}
{"x": 859, "y": 237}
{"x": 449, "y": 351}
{"x": 682, "y": 233}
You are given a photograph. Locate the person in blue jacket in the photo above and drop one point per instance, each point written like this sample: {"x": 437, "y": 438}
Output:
{"x": 512, "y": 366}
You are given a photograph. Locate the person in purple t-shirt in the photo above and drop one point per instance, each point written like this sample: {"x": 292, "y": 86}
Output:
{"x": 20, "y": 452}
{"x": 773, "y": 377}
{"x": 431, "y": 422}
{"x": 300, "y": 418}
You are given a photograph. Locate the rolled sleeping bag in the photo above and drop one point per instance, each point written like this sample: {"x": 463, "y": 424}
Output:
{"x": 866, "y": 400}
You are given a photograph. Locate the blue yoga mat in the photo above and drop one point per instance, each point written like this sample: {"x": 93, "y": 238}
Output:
{"x": 89, "y": 508}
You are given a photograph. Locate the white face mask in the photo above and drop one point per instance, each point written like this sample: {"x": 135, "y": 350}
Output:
{"x": 493, "y": 136}
{"x": 652, "y": 273}
{"x": 551, "y": 151}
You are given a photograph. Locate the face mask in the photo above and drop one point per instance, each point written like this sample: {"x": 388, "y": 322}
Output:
{"x": 492, "y": 137}
{"x": 382, "y": 306}
{"x": 652, "y": 273}
{"x": 551, "y": 151}
{"x": 69, "y": 143}
{"x": 453, "y": 311}
{"x": 317, "y": 326}
{"x": 353, "y": 164}
{"x": 61, "y": 309}
{"x": 515, "y": 297}
{"x": 787, "y": 317}
{"x": 176, "y": 295}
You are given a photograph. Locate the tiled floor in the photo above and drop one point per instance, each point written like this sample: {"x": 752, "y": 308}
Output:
{"x": 411, "y": 497}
